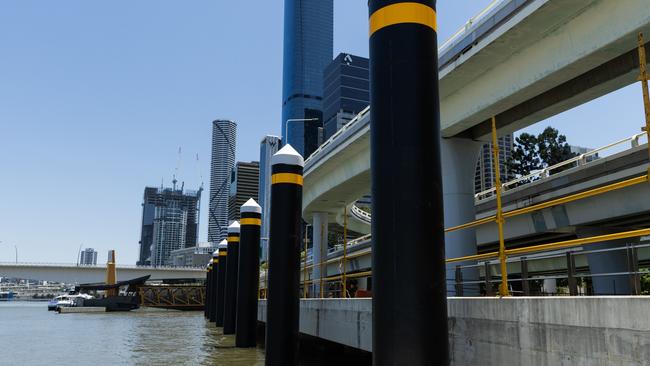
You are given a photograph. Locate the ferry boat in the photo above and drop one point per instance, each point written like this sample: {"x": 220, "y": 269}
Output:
{"x": 6, "y": 295}
{"x": 68, "y": 300}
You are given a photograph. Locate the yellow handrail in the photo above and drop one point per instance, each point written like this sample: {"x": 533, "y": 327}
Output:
{"x": 555, "y": 245}
{"x": 555, "y": 202}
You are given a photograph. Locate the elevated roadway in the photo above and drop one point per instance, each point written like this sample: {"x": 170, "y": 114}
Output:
{"x": 522, "y": 61}
{"x": 622, "y": 209}
{"x": 613, "y": 211}
{"x": 72, "y": 273}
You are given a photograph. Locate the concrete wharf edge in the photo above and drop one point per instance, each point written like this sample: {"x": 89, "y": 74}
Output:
{"x": 599, "y": 330}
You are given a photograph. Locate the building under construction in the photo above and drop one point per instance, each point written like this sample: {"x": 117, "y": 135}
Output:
{"x": 170, "y": 221}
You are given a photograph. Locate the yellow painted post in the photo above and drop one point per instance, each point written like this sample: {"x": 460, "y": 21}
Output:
{"x": 643, "y": 77}
{"x": 345, "y": 251}
{"x": 111, "y": 274}
{"x": 503, "y": 288}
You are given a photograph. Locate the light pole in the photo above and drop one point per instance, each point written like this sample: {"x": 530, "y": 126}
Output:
{"x": 286, "y": 125}
{"x": 16, "y": 248}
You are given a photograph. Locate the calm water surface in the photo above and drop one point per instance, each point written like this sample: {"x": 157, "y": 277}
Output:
{"x": 31, "y": 335}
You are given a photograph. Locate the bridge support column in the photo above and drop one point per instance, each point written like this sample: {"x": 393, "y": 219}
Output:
{"x": 607, "y": 262}
{"x": 230, "y": 295}
{"x": 459, "y": 167}
{"x": 319, "y": 250}
{"x": 409, "y": 304}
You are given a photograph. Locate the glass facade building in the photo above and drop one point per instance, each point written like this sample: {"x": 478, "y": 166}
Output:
{"x": 268, "y": 146}
{"x": 346, "y": 91}
{"x": 170, "y": 221}
{"x": 308, "y": 49}
{"x": 485, "y": 174}
{"x": 88, "y": 257}
{"x": 244, "y": 185}
{"x": 224, "y": 134}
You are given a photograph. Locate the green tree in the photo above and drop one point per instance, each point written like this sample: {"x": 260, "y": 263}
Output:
{"x": 525, "y": 157}
{"x": 532, "y": 153}
{"x": 553, "y": 148}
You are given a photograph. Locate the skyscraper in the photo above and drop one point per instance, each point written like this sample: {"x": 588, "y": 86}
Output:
{"x": 170, "y": 220}
{"x": 308, "y": 45}
{"x": 243, "y": 186}
{"x": 485, "y": 174}
{"x": 88, "y": 257}
{"x": 224, "y": 134}
{"x": 346, "y": 91}
{"x": 268, "y": 146}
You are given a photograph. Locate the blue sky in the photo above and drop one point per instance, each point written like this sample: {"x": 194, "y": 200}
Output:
{"x": 97, "y": 97}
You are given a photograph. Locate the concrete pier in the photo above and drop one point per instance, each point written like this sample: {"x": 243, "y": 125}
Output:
{"x": 599, "y": 330}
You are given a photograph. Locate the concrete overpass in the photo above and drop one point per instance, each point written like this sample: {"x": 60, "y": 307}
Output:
{"x": 624, "y": 209}
{"x": 620, "y": 210}
{"x": 72, "y": 273}
{"x": 523, "y": 61}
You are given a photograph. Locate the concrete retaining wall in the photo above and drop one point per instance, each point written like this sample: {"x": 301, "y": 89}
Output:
{"x": 511, "y": 331}
{"x": 550, "y": 331}
{"x": 345, "y": 321}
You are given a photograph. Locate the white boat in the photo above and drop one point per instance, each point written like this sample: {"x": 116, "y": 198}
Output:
{"x": 66, "y": 301}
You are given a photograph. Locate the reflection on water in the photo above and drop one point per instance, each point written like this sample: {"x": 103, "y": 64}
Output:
{"x": 30, "y": 335}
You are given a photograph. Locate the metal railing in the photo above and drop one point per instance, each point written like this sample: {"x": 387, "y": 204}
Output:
{"x": 524, "y": 278}
{"x": 99, "y": 266}
{"x": 336, "y": 135}
{"x": 468, "y": 26}
{"x": 579, "y": 161}
{"x": 360, "y": 214}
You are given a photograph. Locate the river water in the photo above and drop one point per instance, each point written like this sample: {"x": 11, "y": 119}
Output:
{"x": 31, "y": 335}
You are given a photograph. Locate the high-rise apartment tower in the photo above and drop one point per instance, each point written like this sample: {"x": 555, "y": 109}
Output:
{"x": 88, "y": 257}
{"x": 170, "y": 221}
{"x": 243, "y": 186}
{"x": 485, "y": 174}
{"x": 308, "y": 48}
{"x": 224, "y": 134}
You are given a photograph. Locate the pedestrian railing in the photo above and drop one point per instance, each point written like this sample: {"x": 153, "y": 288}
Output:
{"x": 574, "y": 280}
{"x": 576, "y": 161}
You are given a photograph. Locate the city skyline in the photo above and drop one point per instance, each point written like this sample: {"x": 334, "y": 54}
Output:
{"x": 98, "y": 115}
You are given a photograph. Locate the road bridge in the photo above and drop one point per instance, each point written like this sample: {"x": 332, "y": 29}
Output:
{"x": 72, "y": 273}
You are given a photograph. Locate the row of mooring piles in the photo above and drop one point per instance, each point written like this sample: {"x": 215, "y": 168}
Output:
{"x": 232, "y": 278}
{"x": 409, "y": 299}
